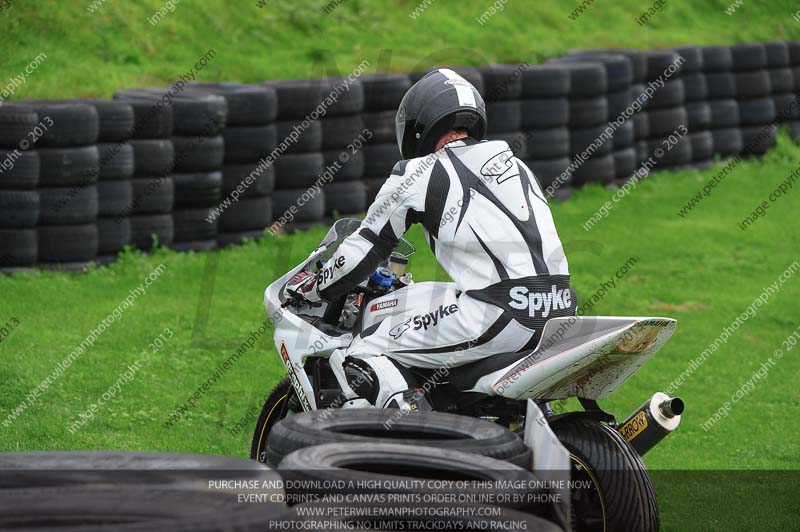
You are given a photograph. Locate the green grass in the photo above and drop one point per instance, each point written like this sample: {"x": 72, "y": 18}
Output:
{"x": 114, "y": 47}
{"x": 702, "y": 270}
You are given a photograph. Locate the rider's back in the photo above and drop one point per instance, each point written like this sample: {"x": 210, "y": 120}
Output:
{"x": 484, "y": 213}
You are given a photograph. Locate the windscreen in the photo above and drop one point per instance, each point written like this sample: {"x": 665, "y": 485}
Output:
{"x": 344, "y": 227}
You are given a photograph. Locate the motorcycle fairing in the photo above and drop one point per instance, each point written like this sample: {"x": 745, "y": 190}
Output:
{"x": 296, "y": 338}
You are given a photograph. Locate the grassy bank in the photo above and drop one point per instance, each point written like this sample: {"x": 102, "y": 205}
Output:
{"x": 94, "y": 47}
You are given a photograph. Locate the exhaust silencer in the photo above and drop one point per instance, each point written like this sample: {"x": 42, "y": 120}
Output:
{"x": 652, "y": 422}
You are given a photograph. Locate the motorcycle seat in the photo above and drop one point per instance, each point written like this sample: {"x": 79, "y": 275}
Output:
{"x": 464, "y": 377}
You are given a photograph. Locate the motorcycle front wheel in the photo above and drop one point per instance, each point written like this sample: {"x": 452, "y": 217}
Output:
{"x": 276, "y": 407}
{"x": 611, "y": 488}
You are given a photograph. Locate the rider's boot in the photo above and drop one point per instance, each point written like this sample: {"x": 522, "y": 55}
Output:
{"x": 382, "y": 382}
{"x": 409, "y": 399}
{"x": 350, "y": 398}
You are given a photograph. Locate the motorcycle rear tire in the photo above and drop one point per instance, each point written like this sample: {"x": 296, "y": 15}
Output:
{"x": 622, "y": 495}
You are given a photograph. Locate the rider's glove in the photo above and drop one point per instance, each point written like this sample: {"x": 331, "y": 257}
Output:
{"x": 303, "y": 286}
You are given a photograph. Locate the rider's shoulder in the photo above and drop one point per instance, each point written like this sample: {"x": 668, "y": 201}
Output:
{"x": 418, "y": 165}
{"x": 400, "y": 167}
{"x": 408, "y": 167}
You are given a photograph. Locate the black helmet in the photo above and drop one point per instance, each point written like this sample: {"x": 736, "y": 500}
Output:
{"x": 440, "y": 101}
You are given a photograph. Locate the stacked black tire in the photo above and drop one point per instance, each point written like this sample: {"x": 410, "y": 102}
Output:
{"x": 544, "y": 121}
{"x": 153, "y": 189}
{"x": 19, "y": 177}
{"x": 753, "y": 92}
{"x": 669, "y": 144}
{"x": 783, "y": 91}
{"x": 793, "y": 122}
{"x": 114, "y": 188}
{"x": 300, "y": 163}
{"x": 68, "y": 199}
{"x": 250, "y": 137}
{"x": 698, "y": 110}
{"x": 335, "y": 138}
{"x": 527, "y": 107}
{"x": 588, "y": 117}
{"x": 199, "y": 155}
{"x": 199, "y": 149}
{"x": 722, "y": 106}
{"x": 639, "y": 127}
{"x": 368, "y": 447}
{"x": 502, "y": 92}
{"x": 136, "y": 491}
{"x": 343, "y": 140}
{"x": 383, "y": 93}
{"x": 641, "y": 122}
{"x": 625, "y": 75}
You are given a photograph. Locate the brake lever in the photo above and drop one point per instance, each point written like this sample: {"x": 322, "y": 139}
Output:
{"x": 293, "y": 300}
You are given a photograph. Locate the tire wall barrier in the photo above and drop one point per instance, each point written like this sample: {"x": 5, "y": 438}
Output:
{"x": 466, "y": 471}
{"x": 206, "y": 164}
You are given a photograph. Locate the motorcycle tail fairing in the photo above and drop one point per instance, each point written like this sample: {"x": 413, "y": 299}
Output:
{"x": 587, "y": 357}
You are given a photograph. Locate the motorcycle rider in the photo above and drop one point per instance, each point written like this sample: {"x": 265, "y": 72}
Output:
{"x": 488, "y": 224}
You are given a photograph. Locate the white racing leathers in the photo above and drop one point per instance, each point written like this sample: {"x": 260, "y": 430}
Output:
{"x": 489, "y": 225}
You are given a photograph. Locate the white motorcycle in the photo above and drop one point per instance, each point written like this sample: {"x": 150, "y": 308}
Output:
{"x": 577, "y": 357}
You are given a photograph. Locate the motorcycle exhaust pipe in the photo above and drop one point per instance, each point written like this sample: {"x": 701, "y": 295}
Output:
{"x": 652, "y": 422}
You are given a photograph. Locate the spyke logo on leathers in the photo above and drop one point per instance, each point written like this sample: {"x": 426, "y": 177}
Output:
{"x": 326, "y": 273}
{"x": 542, "y": 302}
{"x": 531, "y": 301}
{"x": 423, "y": 321}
